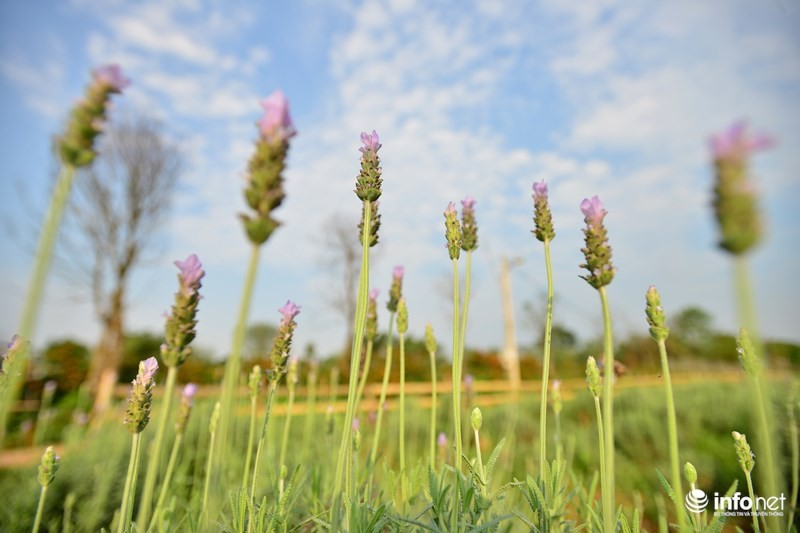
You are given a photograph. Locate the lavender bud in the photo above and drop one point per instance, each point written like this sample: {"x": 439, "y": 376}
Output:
{"x": 469, "y": 225}
{"x": 690, "y": 473}
{"x": 597, "y": 251}
{"x": 655, "y": 315}
{"x": 542, "y": 217}
{"x": 743, "y": 453}
{"x": 402, "y": 317}
{"x": 476, "y": 419}
{"x": 452, "y": 231}
{"x": 137, "y": 415}
{"x": 283, "y": 340}
{"x": 368, "y": 181}
{"x": 396, "y": 291}
{"x": 254, "y": 381}
{"x": 48, "y": 466}
{"x": 371, "y": 328}
{"x": 593, "y": 377}
{"x": 430, "y": 340}
{"x": 180, "y": 328}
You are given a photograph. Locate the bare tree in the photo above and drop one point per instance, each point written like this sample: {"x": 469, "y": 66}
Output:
{"x": 118, "y": 207}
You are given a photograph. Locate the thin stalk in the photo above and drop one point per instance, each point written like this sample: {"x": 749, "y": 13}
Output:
{"x": 207, "y": 482}
{"x": 548, "y": 328}
{"x": 608, "y": 410}
{"x": 250, "y": 436}
{"x": 154, "y": 457}
{"x": 387, "y": 371}
{"x": 752, "y": 498}
{"x": 763, "y": 406}
{"x": 456, "y": 398}
{"x": 286, "y": 428}
{"x": 557, "y": 438}
{"x": 794, "y": 443}
{"x": 44, "y": 254}
{"x": 480, "y": 459}
{"x": 462, "y": 332}
{"x": 162, "y": 497}
{"x": 403, "y": 494}
{"x": 273, "y": 385}
{"x": 39, "y": 510}
{"x": 355, "y": 356}
{"x": 433, "y": 409}
{"x": 673, "y": 437}
{"x": 364, "y": 374}
{"x": 129, "y": 491}
{"x": 234, "y": 362}
{"x": 311, "y": 404}
{"x": 601, "y": 450}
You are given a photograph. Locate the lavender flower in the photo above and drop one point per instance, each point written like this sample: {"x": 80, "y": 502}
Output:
{"x": 86, "y": 121}
{"x": 185, "y": 408}
{"x": 371, "y": 327}
{"x": 743, "y": 452}
{"x": 276, "y": 125}
{"x": 597, "y": 251}
{"x": 264, "y": 191}
{"x": 441, "y": 440}
{"x": 735, "y": 202}
{"x": 542, "y": 217}
{"x": 48, "y": 466}
{"x": 180, "y": 328}
{"x": 282, "y": 345}
{"x": 137, "y": 414}
{"x": 452, "y": 231}
{"x": 593, "y": 377}
{"x": 469, "y": 225}
{"x": 396, "y": 290}
{"x": 368, "y": 181}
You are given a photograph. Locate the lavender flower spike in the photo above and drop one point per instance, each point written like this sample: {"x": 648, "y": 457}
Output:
{"x": 539, "y": 189}
{"x": 282, "y": 345}
{"x": 179, "y": 330}
{"x": 452, "y": 231}
{"x": 398, "y": 272}
{"x": 368, "y": 181}
{"x": 137, "y": 416}
{"x": 597, "y": 250}
{"x": 735, "y": 143}
{"x": 469, "y": 225}
{"x": 542, "y": 217}
{"x": 396, "y": 290}
{"x": 276, "y": 125}
{"x": 111, "y": 75}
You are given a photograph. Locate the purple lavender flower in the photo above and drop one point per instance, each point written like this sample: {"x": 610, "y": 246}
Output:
{"x": 396, "y": 290}
{"x": 441, "y": 440}
{"x": 14, "y": 344}
{"x": 469, "y": 380}
{"x": 137, "y": 415}
{"x": 736, "y": 143}
{"x": 469, "y": 225}
{"x": 371, "y": 142}
{"x": 451, "y": 210}
{"x": 289, "y": 311}
{"x": 468, "y": 202}
{"x": 373, "y": 294}
{"x": 356, "y": 424}
{"x": 540, "y": 189}
{"x": 191, "y": 274}
{"x": 111, "y": 75}
{"x": 50, "y": 386}
{"x": 593, "y": 211}
{"x": 276, "y": 125}
{"x": 398, "y": 272}
{"x": 189, "y": 392}
{"x": 147, "y": 371}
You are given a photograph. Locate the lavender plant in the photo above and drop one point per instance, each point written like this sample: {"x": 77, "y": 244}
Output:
{"x": 180, "y": 330}
{"x": 137, "y": 416}
{"x": 747, "y": 461}
{"x": 47, "y": 473}
{"x": 77, "y": 149}
{"x": 368, "y": 190}
{"x": 212, "y": 432}
{"x": 600, "y": 273}
{"x": 264, "y": 193}
{"x": 544, "y": 231}
{"x": 656, "y": 319}
{"x": 254, "y": 385}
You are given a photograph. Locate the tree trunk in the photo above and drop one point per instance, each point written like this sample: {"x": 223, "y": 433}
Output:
{"x": 107, "y": 357}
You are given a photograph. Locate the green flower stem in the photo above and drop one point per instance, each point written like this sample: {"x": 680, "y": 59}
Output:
{"x": 39, "y": 510}
{"x": 456, "y": 398}
{"x": 311, "y": 405}
{"x": 209, "y": 474}
{"x": 403, "y": 494}
{"x": 234, "y": 362}
{"x": 753, "y": 498}
{"x": 673, "y": 437}
{"x": 129, "y": 491}
{"x": 794, "y": 443}
{"x": 763, "y": 406}
{"x": 548, "y": 328}
{"x": 273, "y": 385}
{"x": 364, "y": 374}
{"x": 601, "y": 449}
{"x": 355, "y": 356}
{"x": 608, "y": 421}
{"x": 286, "y": 428}
{"x": 480, "y": 459}
{"x": 250, "y": 436}
{"x": 387, "y": 371}
{"x": 165, "y": 485}
{"x": 433, "y": 410}
{"x": 463, "y": 331}
{"x": 44, "y": 254}
{"x": 153, "y": 459}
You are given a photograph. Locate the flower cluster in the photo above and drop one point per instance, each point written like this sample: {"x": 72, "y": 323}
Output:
{"x": 283, "y": 340}
{"x": 371, "y": 328}
{"x": 743, "y": 452}
{"x": 402, "y": 317}
{"x": 542, "y": 217}
{"x": 374, "y": 222}
{"x": 48, "y": 466}
{"x": 180, "y": 327}
{"x": 597, "y": 251}
{"x": 396, "y": 290}
{"x": 655, "y": 315}
{"x": 735, "y": 205}
{"x": 264, "y": 190}
{"x": 469, "y": 226}
{"x": 452, "y": 231}
{"x": 368, "y": 181}
{"x": 185, "y": 408}
{"x": 76, "y": 146}
{"x": 138, "y": 413}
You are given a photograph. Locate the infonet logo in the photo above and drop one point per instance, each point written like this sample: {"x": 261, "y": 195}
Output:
{"x": 736, "y": 505}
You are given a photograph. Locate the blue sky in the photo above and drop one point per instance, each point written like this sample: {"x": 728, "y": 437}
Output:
{"x": 482, "y": 98}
